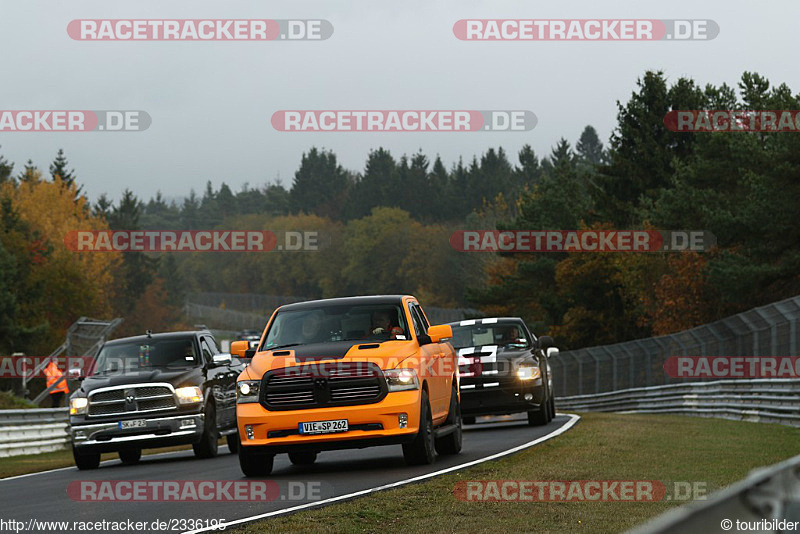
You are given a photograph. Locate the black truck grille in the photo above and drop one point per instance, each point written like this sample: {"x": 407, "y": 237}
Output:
{"x": 323, "y": 385}
{"x": 131, "y": 399}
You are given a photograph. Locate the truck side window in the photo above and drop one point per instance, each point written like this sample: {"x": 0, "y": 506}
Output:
{"x": 419, "y": 323}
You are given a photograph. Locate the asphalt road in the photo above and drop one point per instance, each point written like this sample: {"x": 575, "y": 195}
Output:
{"x": 336, "y": 474}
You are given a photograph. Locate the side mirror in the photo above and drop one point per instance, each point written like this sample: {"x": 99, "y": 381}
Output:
{"x": 75, "y": 374}
{"x": 238, "y": 348}
{"x": 546, "y": 342}
{"x": 552, "y": 351}
{"x": 440, "y": 332}
{"x": 221, "y": 359}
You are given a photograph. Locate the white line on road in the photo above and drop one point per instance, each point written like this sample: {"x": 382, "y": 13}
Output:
{"x": 566, "y": 426}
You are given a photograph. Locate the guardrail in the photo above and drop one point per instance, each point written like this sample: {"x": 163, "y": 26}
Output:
{"x": 33, "y": 431}
{"x": 766, "y": 497}
{"x": 757, "y": 400}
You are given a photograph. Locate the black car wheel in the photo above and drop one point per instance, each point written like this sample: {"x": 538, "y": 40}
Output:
{"x": 421, "y": 451}
{"x": 451, "y": 443}
{"x": 86, "y": 460}
{"x": 208, "y": 445}
{"x": 254, "y": 462}
{"x": 233, "y": 442}
{"x": 130, "y": 456}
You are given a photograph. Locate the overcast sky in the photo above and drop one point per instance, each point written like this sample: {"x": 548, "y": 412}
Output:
{"x": 211, "y": 102}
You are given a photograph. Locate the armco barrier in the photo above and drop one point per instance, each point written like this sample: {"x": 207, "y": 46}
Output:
{"x": 765, "y": 498}
{"x": 33, "y": 431}
{"x": 756, "y": 400}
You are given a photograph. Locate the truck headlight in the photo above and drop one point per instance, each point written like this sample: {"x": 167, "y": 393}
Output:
{"x": 77, "y": 406}
{"x": 247, "y": 391}
{"x": 528, "y": 372}
{"x": 401, "y": 379}
{"x": 189, "y": 395}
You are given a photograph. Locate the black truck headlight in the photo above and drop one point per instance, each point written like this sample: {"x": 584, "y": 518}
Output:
{"x": 78, "y": 405}
{"x": 247, "y": 391}
{"x": 189, "y": 395}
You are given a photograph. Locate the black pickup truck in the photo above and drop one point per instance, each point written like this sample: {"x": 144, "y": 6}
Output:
{"x": 156, "y": 390}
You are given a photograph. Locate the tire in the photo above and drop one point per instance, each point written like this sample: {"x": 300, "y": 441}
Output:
{"x": 255, "y": 463}
{"x": 207, "y": 447}
{"x": 421, "y": 451}
{"x": 233, "y": 442}
{"x": 302, "y": 458}
{"x": 130, "y": 456}
{"x": 451, "y": 443}
{"x": 468, "y": 420}
{"x": 552, "y": 407}
{"x": 86, "y": 461}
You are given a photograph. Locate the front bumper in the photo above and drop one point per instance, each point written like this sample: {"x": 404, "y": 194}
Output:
{"x": 370, "y": 425}
{"x": 158, "y": 432}
{"x": 500, "y": 397}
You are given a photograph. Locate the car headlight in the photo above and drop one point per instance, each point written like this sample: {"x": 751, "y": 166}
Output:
{"x": 529, "y": 372}
{"x": 401, "y": 379}
{"x": 247, "y": 391}
{"x": 189, "y": 395}
{"x": 77, "y": 406}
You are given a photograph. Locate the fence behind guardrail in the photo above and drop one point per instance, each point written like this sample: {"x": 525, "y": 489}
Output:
{"x": 770, "y": 330}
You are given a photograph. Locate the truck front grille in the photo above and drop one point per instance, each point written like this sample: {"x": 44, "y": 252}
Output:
{"x": 323, "y": 385}
{"x": 126, "y": 400}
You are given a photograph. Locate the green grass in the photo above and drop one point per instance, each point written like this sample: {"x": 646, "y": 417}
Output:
{"x": 10, "y": 402}
{"x": 600, "y": 447}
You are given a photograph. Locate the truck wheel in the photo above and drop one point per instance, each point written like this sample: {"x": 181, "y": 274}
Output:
{"x": 451, "y": 443}
{"x": 86, "y": 460}
{"x": 302, "y": 458}
{"x": 207, "y": 446}
{"x": 233, "y": 442}
{"x": 469, "y": 420}
{"x": 421, "y": 450}
{"x": 552, "y": 407}
{"x": 255, "y": 463}
{"x": 130, "y": 456}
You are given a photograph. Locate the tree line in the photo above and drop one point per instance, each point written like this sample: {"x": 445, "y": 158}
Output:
{"x": 385, "y": 229}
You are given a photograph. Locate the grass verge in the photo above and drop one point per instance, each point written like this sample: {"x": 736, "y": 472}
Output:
{"x": 8, "y": 401}
{"x": 600, "y": 447}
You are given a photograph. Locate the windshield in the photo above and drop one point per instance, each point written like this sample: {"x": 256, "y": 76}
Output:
{"x": 506, "y": 334}
{"x": 370, "y": 323}
{"x": 130, "y": 357}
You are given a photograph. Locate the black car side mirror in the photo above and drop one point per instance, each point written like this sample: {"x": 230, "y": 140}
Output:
{"x": 546, "y": 342}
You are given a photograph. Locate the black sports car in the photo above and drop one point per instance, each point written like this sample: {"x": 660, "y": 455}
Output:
{"x": 504, "y": 369}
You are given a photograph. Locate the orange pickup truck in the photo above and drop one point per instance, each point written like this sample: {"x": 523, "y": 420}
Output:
{"x": 347, "y": 373}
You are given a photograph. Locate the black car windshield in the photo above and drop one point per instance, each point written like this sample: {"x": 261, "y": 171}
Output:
{"x": 508, "y": 334}
{"x": 369, "y": 323}
{"x": 149, "y": 354}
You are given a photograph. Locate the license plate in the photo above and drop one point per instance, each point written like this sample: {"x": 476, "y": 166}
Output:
{"x": 323, "y": 427}
{"x": 135, "y": 423}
